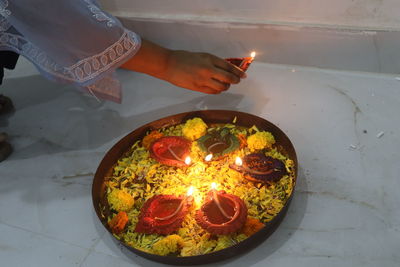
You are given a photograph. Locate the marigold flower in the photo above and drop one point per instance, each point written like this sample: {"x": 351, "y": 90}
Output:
{"x": 194, "y": 129}
{"x": 260, "y": 140}
{"x": 150, "y": 138}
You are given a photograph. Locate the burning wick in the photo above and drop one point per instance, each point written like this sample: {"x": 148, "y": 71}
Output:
{"x": 238, "y": 161}
{"x": 188, "y": 194}
{"x": 215, "y": 197}
{"x": 248, "y": 60}
{"x": 208, "y": 157}
{"x": 187, "y": 160}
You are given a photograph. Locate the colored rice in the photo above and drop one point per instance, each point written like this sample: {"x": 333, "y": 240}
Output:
{"x": 142, "y": 177}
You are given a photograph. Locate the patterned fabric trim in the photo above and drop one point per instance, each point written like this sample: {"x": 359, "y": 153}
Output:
{"x": 4, "y": 24}
{"x": 98, "y": 14}
{"x": 4, "y": 13}
{"x": 84, "y": 70}
{"x": 3, "y": 9}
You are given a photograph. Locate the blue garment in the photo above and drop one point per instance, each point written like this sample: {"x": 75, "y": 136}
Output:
{"x": 69, "y": 41}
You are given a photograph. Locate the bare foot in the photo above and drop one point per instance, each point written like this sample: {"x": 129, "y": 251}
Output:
{"x": 5, "y": 147}
{"x": 3, "y": 137}
{"x": 6, "y": 105}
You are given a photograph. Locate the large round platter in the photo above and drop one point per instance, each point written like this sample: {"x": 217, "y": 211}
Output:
{"x": 209, "y": 116}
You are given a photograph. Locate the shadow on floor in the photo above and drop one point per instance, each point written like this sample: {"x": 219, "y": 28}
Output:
{"x": 78, "y": 122}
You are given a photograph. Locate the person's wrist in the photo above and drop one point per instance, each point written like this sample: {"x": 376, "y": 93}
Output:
{"x": 169, "y": 62}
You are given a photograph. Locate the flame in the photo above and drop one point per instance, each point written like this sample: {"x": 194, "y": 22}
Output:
{"x": 190, "y": 191}
{"x": 208, "y": 157}
{"x": 188, "y": 160}
{"x": 238, "y": 161}
{"x": 213, "y": 185}
{"x": 253, "y": 54}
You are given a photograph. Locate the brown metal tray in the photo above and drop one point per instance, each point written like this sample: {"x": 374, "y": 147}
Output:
{"x": 209, "y": 116}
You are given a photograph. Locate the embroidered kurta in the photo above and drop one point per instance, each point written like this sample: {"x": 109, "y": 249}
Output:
{"x": 69, "y": 41}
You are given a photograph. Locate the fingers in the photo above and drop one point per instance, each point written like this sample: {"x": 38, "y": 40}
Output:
{"x": 202, "y": 72}
{"x": 207, "y": 90}
{"x": 217, "y": 85}
{"x": 225, "y": 77}
{"x": 228, "y": 67}
{"x": 212, "y": 86}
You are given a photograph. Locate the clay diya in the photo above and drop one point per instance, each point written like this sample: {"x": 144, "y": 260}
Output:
{"x": 218, "y": 143}
{"x": 244, "y": 62}
{"x": 164, "y": 214}
{"x": 221, "y": 213}
{"x": 171, "y": 151}
{"x": 258, "y": 167}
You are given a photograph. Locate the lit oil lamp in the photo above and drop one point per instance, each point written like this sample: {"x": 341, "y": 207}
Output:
{"x": 221, "y": 213}
{"x": 218, "y": 143}
{"x": 216, "y": 199}
{"x": 257, "y": 167}
{"x": 171, "y": 150}
{"x": 238, "y": 161}
{"x": 243, "y": 63}
{"x": 164, "y": 214}
{"x": 188, "y": 160}
{"x": 208, "y": 158}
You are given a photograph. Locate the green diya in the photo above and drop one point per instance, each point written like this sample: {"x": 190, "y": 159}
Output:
{"x": 218, "y": 142}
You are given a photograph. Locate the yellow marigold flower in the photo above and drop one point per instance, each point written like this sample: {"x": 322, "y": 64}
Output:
{"x": 120, "y": 200}
{"x": 168, "y": 245}
{"x": 194, "y": 129}
{"x": 260, "y": 140}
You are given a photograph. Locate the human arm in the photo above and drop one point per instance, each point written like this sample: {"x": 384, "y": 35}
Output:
{"x": 200, "y": 72}
{"x": 76, "y": 42}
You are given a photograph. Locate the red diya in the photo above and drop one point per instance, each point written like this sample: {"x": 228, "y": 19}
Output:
{"x": 163, "y": 214}
{"x": 171, "y": 151}
{"x": 258, "y": 167}
{"x": 222, "y": 213}
{"x": 244, "y": 62}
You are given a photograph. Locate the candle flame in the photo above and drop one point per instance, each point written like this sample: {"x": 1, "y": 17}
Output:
{"x": 208, "y": 157}
{"x": 253, "y": 54}
{"x": 216, "y": 199}
{"x": 188, "y": 160}
{"x": 238, "y": 161}
{"x": 213, "y": 185}
{"x": 190, "y": 191}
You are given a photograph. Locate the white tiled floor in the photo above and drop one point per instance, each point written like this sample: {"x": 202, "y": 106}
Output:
{"x": 344, "y": 212}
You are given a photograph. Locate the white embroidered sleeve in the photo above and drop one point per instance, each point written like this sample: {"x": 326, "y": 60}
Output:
{"x": 69, "y": 41}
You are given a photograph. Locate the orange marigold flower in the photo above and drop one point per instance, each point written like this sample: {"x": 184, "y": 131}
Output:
{"x": 252, "y": 226}
{"x": 150, "y": 138}
{"x": 243, "y": 140}
{"x": 118, "y": 223}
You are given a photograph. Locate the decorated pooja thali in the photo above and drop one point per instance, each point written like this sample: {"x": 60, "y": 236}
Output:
{"x": 196, "y": 187}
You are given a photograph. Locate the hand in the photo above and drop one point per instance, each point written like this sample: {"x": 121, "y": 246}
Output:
{"x": 201, "y": 72}
{"x": 195, "y": 71}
